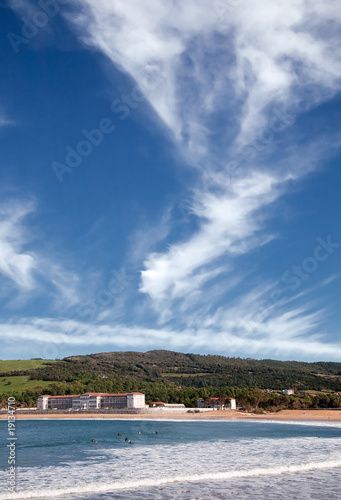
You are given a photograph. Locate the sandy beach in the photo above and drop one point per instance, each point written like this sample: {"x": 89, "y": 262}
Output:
{"x": 321, "y": 415}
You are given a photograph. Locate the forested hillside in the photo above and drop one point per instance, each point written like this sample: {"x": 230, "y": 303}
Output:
{"x": 172, "y": 376}
{"x": 193, "y": 370}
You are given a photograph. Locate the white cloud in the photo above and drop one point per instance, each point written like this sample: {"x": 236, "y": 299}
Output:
{"x": 268, "y": 52}
{"x": 232, "y": 63}
{"x": 232, "y": 216}
{"x": 280, "y": 49}
{"x": 26, "y": 268}
{"x": 330, "y": 279}
{"x": 15, "y": 263}
{"x": 229, "y": 226}
{"x": 255, "y": 52}
{"x": 275, "y": 338}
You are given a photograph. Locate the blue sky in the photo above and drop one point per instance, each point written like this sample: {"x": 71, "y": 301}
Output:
{"x": 169, "y": 178}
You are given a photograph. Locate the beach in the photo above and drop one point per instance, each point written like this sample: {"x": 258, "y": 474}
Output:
{"x": 314, "y": 415}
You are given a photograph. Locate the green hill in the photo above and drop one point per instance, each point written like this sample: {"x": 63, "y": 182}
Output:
{"x": 189, "y": 370}
{"x": 165, "y": 375}
{"x": 12, "y": 378}
{"x": 22, "y": 364}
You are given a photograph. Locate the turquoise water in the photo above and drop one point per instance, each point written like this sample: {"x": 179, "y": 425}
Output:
{"x": 168, "y": 459}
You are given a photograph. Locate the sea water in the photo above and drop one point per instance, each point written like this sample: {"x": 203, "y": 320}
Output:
{"x": 88, "y": 459}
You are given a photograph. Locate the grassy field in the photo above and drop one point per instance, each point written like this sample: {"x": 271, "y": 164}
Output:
{"x": 21, "y": 364}
{"x": 17, "y": 384}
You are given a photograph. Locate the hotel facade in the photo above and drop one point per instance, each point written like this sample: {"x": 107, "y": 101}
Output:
{"x": 93, "y": 401}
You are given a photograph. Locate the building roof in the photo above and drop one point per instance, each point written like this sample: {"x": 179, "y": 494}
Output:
{"x": 92, "y": 394}
{"x": 126, "y": 394}
{"x": 95, "y": 394}
{"x": 158, "y": 403}
{"x": 174, "y": 404}
{"x": 54, "y": 397}
{"x": 117, "y": 395}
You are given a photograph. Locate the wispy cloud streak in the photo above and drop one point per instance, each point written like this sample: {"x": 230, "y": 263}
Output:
{"x": 24, "y": 266}
{"x": 63, "y": 334}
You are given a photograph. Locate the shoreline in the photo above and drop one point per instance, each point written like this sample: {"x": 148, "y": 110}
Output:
{"x": 310, "y": 415}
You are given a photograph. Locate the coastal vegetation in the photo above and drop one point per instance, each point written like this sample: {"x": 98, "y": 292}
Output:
{"x": 177, "y": 378}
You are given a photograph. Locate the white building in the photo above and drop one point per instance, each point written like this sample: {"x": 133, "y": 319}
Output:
{"x": 288, "y": 392}
{"x": 233, "y": 404}
{"x": 49, "y": 402}
{"x": 93, "y": 401}
{"x": 172, "y": 406}
{"x": 230, "y": 404}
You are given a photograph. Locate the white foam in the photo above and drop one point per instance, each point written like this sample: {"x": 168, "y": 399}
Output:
{"x": 313, "y": 423}
{"x": 319, "y": 423}
{"x": 140, "y": 483}
{"x": 102, "y": 469}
